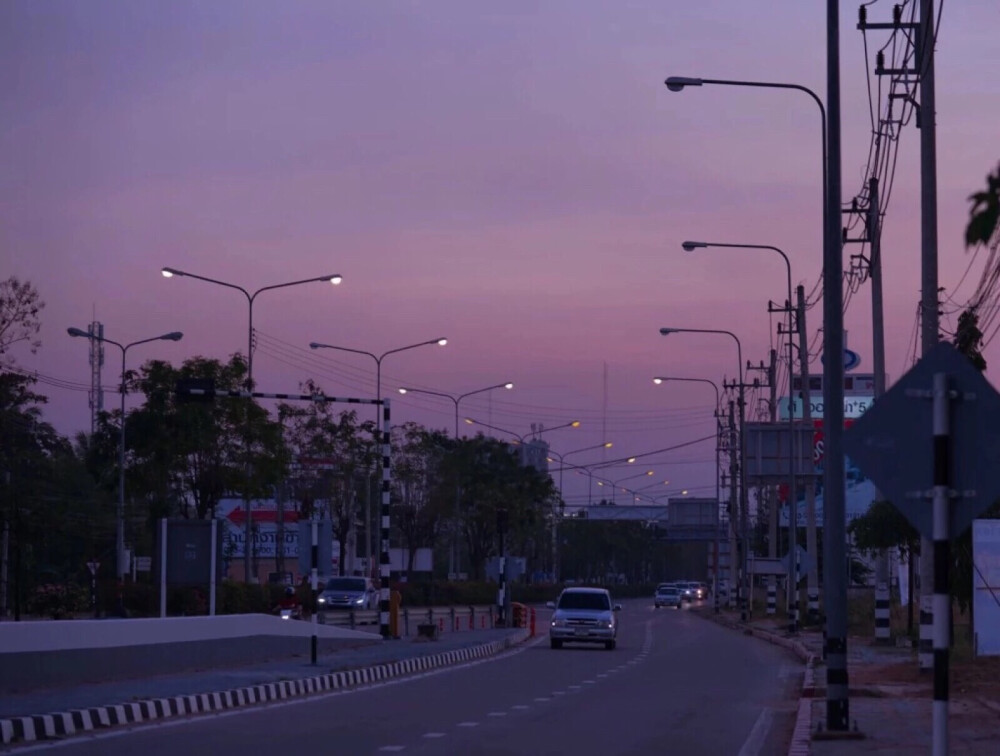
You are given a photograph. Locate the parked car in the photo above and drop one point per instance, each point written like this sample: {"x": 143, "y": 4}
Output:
{"x": 667, "y": 594}
{"x": 584, "y": 615}
{"x": 348, "y": 593}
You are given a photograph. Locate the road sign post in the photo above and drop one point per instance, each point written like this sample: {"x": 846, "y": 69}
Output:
{"x": 956, "y": 433}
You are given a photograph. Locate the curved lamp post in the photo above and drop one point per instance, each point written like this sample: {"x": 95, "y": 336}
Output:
{"x": 718, "y": 472}
{"x": 251, "y": 297}
{"x": 378, "y": 395}
{"x": 793, "y": 614}
{"x": 555, "y": 516}
{"x": 835, "y": 595}
{"x": 615, "y": 483}
{"x": 121, "y": 567}
{"x": 744, "y": 515}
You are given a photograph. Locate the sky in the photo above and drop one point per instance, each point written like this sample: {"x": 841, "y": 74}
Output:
{"x": 513, "y": 177}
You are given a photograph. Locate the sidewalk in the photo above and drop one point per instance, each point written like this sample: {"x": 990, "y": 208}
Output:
{"x": 56, "y": 711}
{"x": 889, "y": 699}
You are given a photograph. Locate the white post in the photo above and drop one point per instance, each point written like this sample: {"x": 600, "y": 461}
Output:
{"x": 212, "y": 569}
{"x": 163, "y": 567}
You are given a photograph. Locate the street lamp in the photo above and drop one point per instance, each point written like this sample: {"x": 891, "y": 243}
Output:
{"x": 456, "y": 399}
{"x": 718, "y": 472}
{"x": 835, "y": 590}
{"x": 555, "y": 518}
{"x": 251, "y": 297}
{"x": 793, "y": 622}
{"x": 120, "y": 566}
{"x": 744, "y": 515}
{"x": 539, "y": 430}
{"x": 518, "y": 436}
{"x": 378, "y": 395}
{"x": 615, "y": 483}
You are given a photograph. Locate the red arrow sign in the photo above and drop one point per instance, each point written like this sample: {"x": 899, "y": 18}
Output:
{"x": 239, "y": 516}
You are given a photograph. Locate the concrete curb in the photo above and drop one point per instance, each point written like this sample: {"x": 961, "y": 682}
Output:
{"x": 802, "y": 733}
{"x": 62, "y": 724}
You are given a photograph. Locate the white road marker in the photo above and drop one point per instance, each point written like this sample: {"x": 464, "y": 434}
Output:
{"x": 755, "y": 740}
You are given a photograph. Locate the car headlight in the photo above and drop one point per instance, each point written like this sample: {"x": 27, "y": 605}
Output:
{"x": 606, "y": 623}
{"x": 359, "y": 601}
{"x": 558, "y": 623}
{"x": 321, "y": 600}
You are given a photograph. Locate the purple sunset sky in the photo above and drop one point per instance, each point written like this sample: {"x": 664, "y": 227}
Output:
{"x": 514, "y": 177}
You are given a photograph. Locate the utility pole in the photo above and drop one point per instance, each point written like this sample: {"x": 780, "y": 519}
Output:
{"x": 883, "y": 630}
{"x": 928, "y": 283}
{"x": 812, "y": 576}
{"x": 922, "y": 33}
{"x": 775, "y": 499}
{"x": 834, "y": 535}
{"x": 734, "y": 450}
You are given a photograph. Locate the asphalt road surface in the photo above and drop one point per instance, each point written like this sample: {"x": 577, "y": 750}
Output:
{"x": 676, "y": 684}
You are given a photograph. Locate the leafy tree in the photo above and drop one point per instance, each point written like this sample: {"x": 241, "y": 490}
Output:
{"x": 348, "y": 452}
{"x": 884, "y": 527}
{"x": 19, "y": 308}
{"x": 984, "y": 216}
{"x": 491, "y": 478}
{"x": 53, "y": 517}
{"x": 184, "y": 457}
{"x": 419, "y": 512}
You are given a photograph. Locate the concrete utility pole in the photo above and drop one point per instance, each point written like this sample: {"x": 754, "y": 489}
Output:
{"x": 883, "y": 629}
{"x": 812, "y": 576}
{"x": 734, "y": 508}
{"x": 834, "y": 527}
{"x": 772, "y": 515}
{"x": 928, "y": 282}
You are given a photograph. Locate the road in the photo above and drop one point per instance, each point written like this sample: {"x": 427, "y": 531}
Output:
{"x": 676, "y": 684}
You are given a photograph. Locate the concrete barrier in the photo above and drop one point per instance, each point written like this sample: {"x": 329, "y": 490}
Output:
{"x": 45, "y": 653}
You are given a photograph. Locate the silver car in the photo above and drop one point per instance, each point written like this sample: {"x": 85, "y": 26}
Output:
{"x": 584, "y": 615}
{"x": 348, "y": 593}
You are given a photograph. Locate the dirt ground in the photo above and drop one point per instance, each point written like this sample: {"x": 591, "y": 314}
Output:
{"x": 972, "y": 677}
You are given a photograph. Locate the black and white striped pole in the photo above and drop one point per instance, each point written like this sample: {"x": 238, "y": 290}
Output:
{"x": 942, "y": 604}
{"x": 314, "y": 583}
{"x": 385, "y": 564}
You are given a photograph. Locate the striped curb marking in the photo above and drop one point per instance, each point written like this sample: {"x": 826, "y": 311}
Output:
{"x": 60, "y": 724}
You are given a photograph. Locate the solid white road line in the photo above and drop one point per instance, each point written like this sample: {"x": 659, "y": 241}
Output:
{"x": 755, "y": 740}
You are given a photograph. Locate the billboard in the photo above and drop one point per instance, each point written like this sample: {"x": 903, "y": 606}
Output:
{"x": 232, "y": 513}
{"x": 986, "y": 586}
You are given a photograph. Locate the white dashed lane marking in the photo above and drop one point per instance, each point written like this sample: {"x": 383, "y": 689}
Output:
{"x": 392, "y": 749}
{"x": 519, "y": 707}
{"x": 497, "y": 714}
{"x": 468, "y": 724}
{"x": 541, "y": 699}
{"x": 434, "y": 734}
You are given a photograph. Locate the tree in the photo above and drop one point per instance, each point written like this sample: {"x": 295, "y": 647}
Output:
{"x": 19, "y": 308}
{"x": 491, "y": 477}
{"x": 184, "y": 457}
{"x": 419, "y": 511}
{"x": 49, "y": 507}
{"x": 984, "y": 216}
{"x": 334, "y": 453}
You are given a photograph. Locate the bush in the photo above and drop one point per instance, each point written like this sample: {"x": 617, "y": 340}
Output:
{"x": 58, "y": 600}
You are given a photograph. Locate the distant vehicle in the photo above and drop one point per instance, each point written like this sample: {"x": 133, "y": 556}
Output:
{"x": 691, "y": 591}
{"x": 667, "y": 594}
{"x": 348, "y": 593}
{"x": 584, "y": 615}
